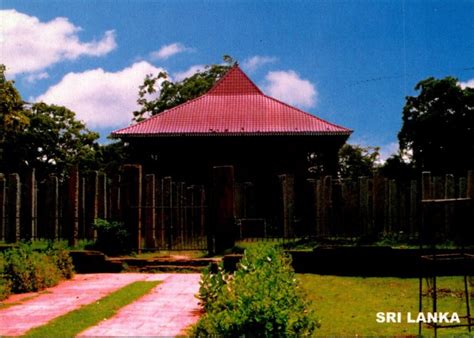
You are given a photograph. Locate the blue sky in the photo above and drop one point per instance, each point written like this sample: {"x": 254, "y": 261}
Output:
{"x": 349, "y": 62}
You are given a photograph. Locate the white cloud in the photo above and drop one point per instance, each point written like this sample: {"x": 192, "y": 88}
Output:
{"x": 257, "y": 61}
{"x": 32, "y": 78}
{"x": 180, "y": 76}
{"x": 468, "y": 83}
{"x": 100, "y": 98}
{"x": 387, "y": 150}
{"x": 29, "y": 45}
{"x": 167, "y": 51}
{"x": 290, "y": 88}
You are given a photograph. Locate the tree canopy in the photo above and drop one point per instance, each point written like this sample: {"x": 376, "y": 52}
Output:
{"x": 172, "y": 93}
{"x": 46, "y": 137}
{"x": 356, "y": 161}
{"x": 12, "y": 113}
{"x": 438, "y": 126}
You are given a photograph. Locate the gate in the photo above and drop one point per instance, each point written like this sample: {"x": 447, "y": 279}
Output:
{"x": 174, "y": 215}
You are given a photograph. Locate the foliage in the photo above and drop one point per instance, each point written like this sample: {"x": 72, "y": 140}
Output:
{"x": 261, "y": 298}
{"x": 62, "y": 260}
{"x": 398, "y": 166}
{"x": 24, "y": 270}
{"x": 12, "y": 114}
{"x": 356, "y": 161}
{"x": 46, "y": 137}
{"x": 5, "y": 284}
{"x": 74, "y": 322}
{"x": 438, "y": 126}
{"x": 172, "y": 93}
{"x": 28, "y": 270}
{"x": 53, "y": 141}
{"x": 211, "y": 285}
{"x": 112, "y": 237}
{"x": 113, "y": 155}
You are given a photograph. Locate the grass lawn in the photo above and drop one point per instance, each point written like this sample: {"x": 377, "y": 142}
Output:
{"x": 77, "y": 321}
{"x": 347, "y": 306}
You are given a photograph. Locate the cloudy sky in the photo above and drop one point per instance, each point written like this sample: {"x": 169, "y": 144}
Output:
{"x": 349, "y": 62}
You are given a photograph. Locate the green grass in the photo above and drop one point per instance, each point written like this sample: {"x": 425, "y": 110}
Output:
{"x": 42, "y": 244}
{"x": 347, "y": 306}
{"x": 77, "y": 321}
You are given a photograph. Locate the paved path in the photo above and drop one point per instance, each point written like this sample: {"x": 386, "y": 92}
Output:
{"x": 167, "y": 310}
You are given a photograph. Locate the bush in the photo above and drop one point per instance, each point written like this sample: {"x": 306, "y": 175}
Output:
{"x": 5, "y": 287}
{"x": 261, "y": 298}
{"x": 28, "y": 270}
{"x": 63, "y": 261}
{"x": 112, "y": 237}
{"x": 23, "y": 270}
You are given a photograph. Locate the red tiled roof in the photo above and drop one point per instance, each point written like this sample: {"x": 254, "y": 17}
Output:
{"x": 234, "y": 106}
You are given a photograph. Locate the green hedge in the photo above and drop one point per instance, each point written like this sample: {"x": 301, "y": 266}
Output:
{"x": 112, "y": 237}
{"x": 261, "y": 298}
{"x": 23, "y": 269}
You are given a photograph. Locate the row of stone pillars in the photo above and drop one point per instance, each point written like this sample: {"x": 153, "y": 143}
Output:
{"x": 220, "y": 228}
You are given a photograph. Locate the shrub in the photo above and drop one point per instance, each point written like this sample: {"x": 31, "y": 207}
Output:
{"x": 5, "y": 287}
{"x": 211, "y": 285}
{"x": 63, "y": 261}
{"x": 28, "y": 270}
{"x": 112, "y": 237}
{"x": 261, "y": 298}
{"x": 22, "y": 269}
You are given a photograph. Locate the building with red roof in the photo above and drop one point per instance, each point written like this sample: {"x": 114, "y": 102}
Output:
{"x": 235, "y": 123}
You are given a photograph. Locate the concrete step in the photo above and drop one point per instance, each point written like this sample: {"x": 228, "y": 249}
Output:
{"x": 140, "y": 262}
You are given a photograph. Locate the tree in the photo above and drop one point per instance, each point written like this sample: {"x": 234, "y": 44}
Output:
{"x": 12, "y": 113}
{"x": 398, "y": 166}
{"x": 172, "y": 94}
{"x": 438, "y": 126}
{"x": 46, "y": 137}
{"x": 53, "y": 141}
{"x": 356, "y": 161}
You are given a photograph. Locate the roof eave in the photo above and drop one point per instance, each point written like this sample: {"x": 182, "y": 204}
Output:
{"x": 286, "y": 133}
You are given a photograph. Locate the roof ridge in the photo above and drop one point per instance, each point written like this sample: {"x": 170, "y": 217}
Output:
{"x": 222, "y": 80}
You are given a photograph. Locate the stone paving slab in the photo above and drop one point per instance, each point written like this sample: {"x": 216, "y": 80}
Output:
{"x": 65, "y": 297}
{"x": 167, "y": 310}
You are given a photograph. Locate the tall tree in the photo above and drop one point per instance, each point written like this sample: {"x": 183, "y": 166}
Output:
{"x": 46, "y": 137}
{"x": 438, "y": 126}
{"x": 356, "y": 161}
{"x": 172, "y": 93}
{"x": 13, "y": 117}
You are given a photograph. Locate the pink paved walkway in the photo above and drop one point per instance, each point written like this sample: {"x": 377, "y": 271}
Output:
{"x": 67, "y": 296}
{"x": 166, "y": 311}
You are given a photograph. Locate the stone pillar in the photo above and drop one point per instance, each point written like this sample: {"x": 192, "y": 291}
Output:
{"x": 12, "y": 231}
{"x": 52, "y": 207}
{"x": 29, "y": 209}
{"x": 91, "y": 203}
{"x": 131, "y": 203}
{"x": 72, "y": 211}
{"x": 222, "y": 227}
{"x": 288, "y": 199}
{"x": 150, "y": 215}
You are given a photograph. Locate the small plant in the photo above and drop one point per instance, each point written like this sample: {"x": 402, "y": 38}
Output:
{"x": 262, "y": 298}
{"x": 211, "y": 285}
{"x": 112, "y": 237}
